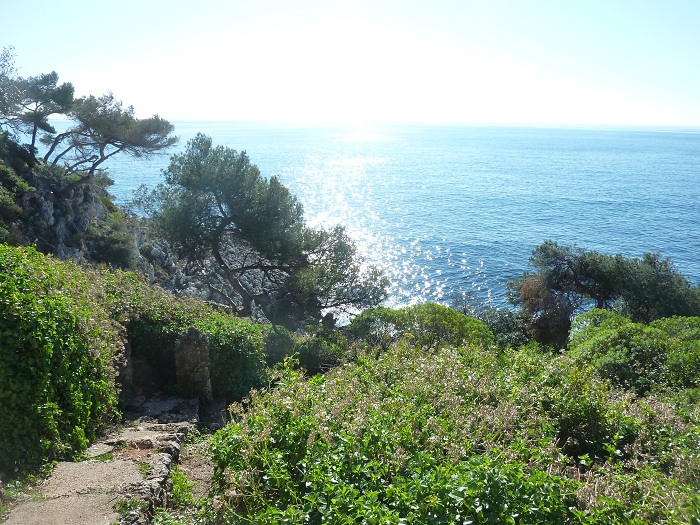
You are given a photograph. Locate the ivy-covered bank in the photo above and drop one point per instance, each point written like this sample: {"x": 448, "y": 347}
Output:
{"x": 58, "y": 360}
{"x": 62, "y": 334}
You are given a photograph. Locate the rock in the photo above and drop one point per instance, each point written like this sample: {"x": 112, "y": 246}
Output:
{"x": 192, "y": 364}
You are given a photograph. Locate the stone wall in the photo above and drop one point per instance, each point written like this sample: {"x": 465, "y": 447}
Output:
{"x": 192, "y": 364}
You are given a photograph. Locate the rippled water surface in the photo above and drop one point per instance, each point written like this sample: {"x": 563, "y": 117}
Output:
{"x": 450, "y": 210}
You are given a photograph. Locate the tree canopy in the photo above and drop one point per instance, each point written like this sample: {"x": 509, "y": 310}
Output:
{"x": 8, "y": 73}
{"x": 39, "y": 98}
{"x": 567, "y": 279}
{"x": 249, "y": 233}
{"x": 27, "y": 103}
{"x": 101, "y": 127}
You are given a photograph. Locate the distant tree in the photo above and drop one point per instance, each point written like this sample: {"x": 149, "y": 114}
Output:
{"x": 41, "y": 97}
{"x": 548, "y": 311}
{"x": 27, "y": 103}
{"x": 427, "y": 325}
{"x": 567, "y": 279}
{"x": 7, "y": 62}
{"x": 8, "y": 89}
{"x": 652, "y": 288}
{"x": 103, "y": 128}
{"x": 508, "y": 325}
{"x": 215, "y": 207}
{"x": 577, "y": 273}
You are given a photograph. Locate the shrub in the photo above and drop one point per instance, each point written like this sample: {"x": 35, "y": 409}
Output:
{"x": 430, "y": 325}
{"x": 317, "y": 350}
{"x": 377, "y": 327}
{"x": 632, "y": 355}
{"x": 369, "y": 444}
{"x": 12, "y": 187}
{"x": 279, "y": 344}
{"x": 453, "y": 435}
{"x": 435, "y": 325}
{"x": 236, "y": 354}
{"x": 154, "y": 320}
{"x": 111, "y": 241}
{"x": 57, "y": 354}
{"x": 637, "y": 356}
{"x": 588, "y": 421}
{"x": 321, "y": 349}
{"x": 509, "y": 327}
{"x": 683, "y": 364}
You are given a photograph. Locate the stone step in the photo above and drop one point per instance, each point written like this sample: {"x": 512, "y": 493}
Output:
{"x": 126, "y": 475}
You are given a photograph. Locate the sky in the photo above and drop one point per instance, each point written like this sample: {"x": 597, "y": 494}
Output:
{"x": 528, "y": 62}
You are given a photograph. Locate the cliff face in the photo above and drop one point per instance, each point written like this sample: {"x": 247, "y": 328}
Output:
{"x": 81, "y": 224}
{"x": 60, "y": 226}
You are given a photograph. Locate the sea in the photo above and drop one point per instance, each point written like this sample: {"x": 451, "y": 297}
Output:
{"x": 451, "y": 213}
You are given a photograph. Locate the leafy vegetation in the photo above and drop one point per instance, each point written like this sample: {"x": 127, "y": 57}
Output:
{"x": 426, "y": 419}
{"x": 59, "y": 350}
{"x": 182, "y": 488}
{"x": 638, "y": 356}
{"x": 61, "y": 342}
{"x": 101, "y": 126}
{"x": 154, "y": 319}
{"x": 428, "y": 325}
{"x": 11, "y": 188}
{"x": 317, "y": 349}
{"x": 567, "y": 277}
{"x": 422, "y": 414}
{"x": 248, "y": 232}
{"x": 455, "y": 435}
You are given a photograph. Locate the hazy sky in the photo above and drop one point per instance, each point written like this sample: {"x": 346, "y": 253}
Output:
{"x": 463, "y": 61}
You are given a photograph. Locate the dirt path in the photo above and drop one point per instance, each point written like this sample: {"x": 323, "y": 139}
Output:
{"x": 125, "y": 477}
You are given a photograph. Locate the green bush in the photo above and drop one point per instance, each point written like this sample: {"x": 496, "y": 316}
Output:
{"x": 637, "y": 356}
{"x": 435, "y": 325}
{"x": 451, "y": 436}
{"x": 378, "y": 327}
{"x": 154, "y": 320}
{"x": 279, "y": 344}
{"x": 12, "y": 187}
{"x": 111, "y": 241}
{"x": 57, "y": 354}
{"x": 683, "y": 364}
{"x": 317, "y": 350}
{"x": 429, "y": 325}
{"x": 587, "y": 422}
{"x": 632, "y": 355}
{"x": 321, "y": 349}
{"x": 509, "y": 327}
{"x": 61, "y": 336}
{"x": 236, "y": 354}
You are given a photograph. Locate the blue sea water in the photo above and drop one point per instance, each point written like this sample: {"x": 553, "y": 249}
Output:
{"x": 453, "y": 210}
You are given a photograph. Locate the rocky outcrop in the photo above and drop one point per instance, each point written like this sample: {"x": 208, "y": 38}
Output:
{"x": 81, "y": 224}
{"x": 204, "y": 280}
